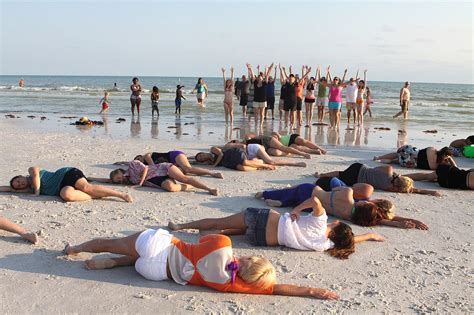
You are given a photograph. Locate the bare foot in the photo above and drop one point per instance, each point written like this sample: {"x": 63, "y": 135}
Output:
{"x": 217, "y": 175}
{"x": 31, "y": 237}
{"x": 173, "y": 226}
{"x": 273, "y": 203}
{"x": 95, "y": 264}
{"x": 301, "y": 164}
{"x": 307, "y": 156}
{"x": 213, "y": 192}
{"x": 127, "y": 198}
{"x": 69, "y": 250}
{"x": 259, "y": 195}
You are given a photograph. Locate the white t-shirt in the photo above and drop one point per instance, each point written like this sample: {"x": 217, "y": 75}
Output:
{"x": 306, "y": 233}
{"x": 351, "y": 93}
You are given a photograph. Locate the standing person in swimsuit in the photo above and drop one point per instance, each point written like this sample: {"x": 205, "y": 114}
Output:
{"x": 270, "y": 95}
{"x": 177, "y": 158}
{"x": 381, "y": 177}
{"x": 135, "y": 98}
{"x": 163, "y": 175}
{"x": 448, "y": 176}
{"x": 361, "y": 90}
{"x": 260, "y": 96}
{"x": 300, "y": 85}
{"x": 244, "y": 94}
{"x": 335, "y": 99}
{"x": 425, "y": 159}
{"x": 323, "y": 93}
{"x": 178, "y": 99}
{"x": 201, "y": 92}
{"x": 369, "y": 102}
{"x": 104, "y": 103}
{"x": 296, "y": 141}
{"x": 155, "y": 98}
{"x": 309, "y": 100}
{"x": 404, "y": 100}
{"x": 266, "y": 227}
{"x": 157, "y": 255}
{"x": 9, "y": 226}
{"x": 228, "y": 96}
{"x": 340, "y": 202}
{"x": 69, "y": 183}
{"x": 233, "y": 158}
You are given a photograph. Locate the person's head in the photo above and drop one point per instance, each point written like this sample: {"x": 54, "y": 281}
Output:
{"x": 343, "y": 238}
{"x": 200, "y": 81}
{"x": 135, "y": 80}
{"x": 402, "y": 184}
{"x": 270, "y": 79}
{"x": 470, "y": 140}
{"x": 19, "y": 182}
{"x": 407, "y": 84}
{"x": 118, "y": 176}
{"x": 323, "y": 79}
{"x": 292, "y": 78}
{"x": 361, "y": 84}
{"x": 365, "y": 214}
{"x": 106, "y": 94}
{"x": 352, "y": 81}
{"x": 385, "y": 208}
{"x": 139, "y": 158}
{"x": 155, "y": 89}
{"x": 368, "y": 90}
{"x": 257, "y": 270}
{"x": 228, "y": 83}
{"x": 237, "y": 80}
{"x": 312, "y": 80}
{"x": 336, "y": 81}
{"x": 443, "y": 154}
{"x": 204, "y": 158}
{"x": 244, "y": 78}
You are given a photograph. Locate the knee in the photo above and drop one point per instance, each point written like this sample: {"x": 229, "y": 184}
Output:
{"x": 66, "y": 194}
{"x": 170, "y": 186}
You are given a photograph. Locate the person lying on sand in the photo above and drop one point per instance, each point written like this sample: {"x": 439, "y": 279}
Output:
{"x": 425, "y": 159}
{"x": 162, "y": 175}
{"x": 157, "y": 255}
{"x": 340, "y": 203}
{"x": 297, "y": 142}
{"x": 381, "y": 177}
{"x": 266, "y": 227}
{"x": 9, "y": 226}
{"x": 69, "y": 183}
{"x": 458, "y": 145}
{"x": 178, "y": 158}
{"x": 448, "y": 176}
{"x": 273, "y": 146}
{"x": 233, "y": 158}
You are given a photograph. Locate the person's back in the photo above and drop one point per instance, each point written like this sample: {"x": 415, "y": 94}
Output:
{"x": 375, "y": 177}
{"x": 338, "y": 202}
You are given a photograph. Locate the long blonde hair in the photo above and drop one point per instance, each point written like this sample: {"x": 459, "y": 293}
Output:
{"x": 403, "y": 184}
{"x": 258, "y": 271}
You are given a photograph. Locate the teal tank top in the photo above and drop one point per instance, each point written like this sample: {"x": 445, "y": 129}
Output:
{"x": 50, "y": 181}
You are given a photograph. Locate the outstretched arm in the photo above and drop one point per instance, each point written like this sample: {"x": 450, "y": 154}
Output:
{"x": 99, "y": 180}
{"x": 405, "y": 223}
{"x": 344, "y": 76}
{"x": 223, "y": 76}
{"x": 426, "y": 192}
{"x": 35, "y": 179}
{"x": 267, "y": 73}
{"x": 294, "y": 290}
{"x": 9, "y": 189}
{"x": 368, "y": 237}
{"x": 423, "y": 176}
{"x": 231, "y": 75}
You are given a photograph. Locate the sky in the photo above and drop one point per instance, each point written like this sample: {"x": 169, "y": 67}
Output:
{"x": 420, "y": 41}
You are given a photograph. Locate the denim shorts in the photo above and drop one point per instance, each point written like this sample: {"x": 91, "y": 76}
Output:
{"x": 256, "y": 220}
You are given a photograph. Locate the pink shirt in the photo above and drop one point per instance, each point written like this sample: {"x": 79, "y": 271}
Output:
{"x": 335, "y": 94}
{"x": 136, "y": 168}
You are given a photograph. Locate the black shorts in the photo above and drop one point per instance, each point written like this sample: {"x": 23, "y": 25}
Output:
{"x": 422, "y": 160}
{"x": 256, "y": 220}
{"x": 160, "y": 157}
{"x": 158, "y": 180}
{"x": 452, "y": 177}
{"x": 299, "y": 103}
{"x": 71, "y": 177}
{"x": 293, "y": 139}
{"x": 233, "y": 158}
{"x": 351, "y": 174}
{"x": 270, "y": 102}
{"x": 244, "y": 99}
{"x": 324, "y": 183}
{"x": 289, "y": 105}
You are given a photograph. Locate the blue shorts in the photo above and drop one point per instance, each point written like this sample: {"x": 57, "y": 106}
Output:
{"x": 335, "y": 105}
{"x": 177, "y": 102}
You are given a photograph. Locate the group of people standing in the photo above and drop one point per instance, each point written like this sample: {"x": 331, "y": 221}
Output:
{"x": 257, "y": 90}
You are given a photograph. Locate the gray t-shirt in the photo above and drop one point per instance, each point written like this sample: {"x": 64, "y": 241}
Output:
{"x": 246, "y": 87}
{"x": 374, "y": 177}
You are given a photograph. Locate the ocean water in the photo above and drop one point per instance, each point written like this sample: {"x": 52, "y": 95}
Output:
{"x": 448, "y": 108}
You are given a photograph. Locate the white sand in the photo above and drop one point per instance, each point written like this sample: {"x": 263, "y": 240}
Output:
{"x": 413, "y": 271}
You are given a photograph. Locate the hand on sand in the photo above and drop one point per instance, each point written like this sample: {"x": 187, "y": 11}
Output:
{"x": 173, "y": 226}
{"x": 127, "y": 198}
{"x": 324, "y": 294}
{"x": 377, "y": 237}
{"x": 419, "y": 225}
{"x": 213, "y": 192}
{"x": 31, "y": 237}
{"x": 217, "y": 175}
{"x": 259, "y": 195}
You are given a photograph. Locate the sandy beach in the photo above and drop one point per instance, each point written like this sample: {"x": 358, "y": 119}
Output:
{"x": 411, "y": 272}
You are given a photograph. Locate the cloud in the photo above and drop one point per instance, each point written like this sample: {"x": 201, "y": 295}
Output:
{"x": 387, "y": 28}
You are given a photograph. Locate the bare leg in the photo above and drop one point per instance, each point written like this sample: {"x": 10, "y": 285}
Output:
{"x": 236, "y": 221}
{"x": 388, "y": 156}
{"x": 301, "y": 141}
{"x": 175, "y": 173}
{"x": 328, "y": 174}
{"x": 97, "y": 191}
{"x": 276, "y": 152}
{"x": 267, "y": 159}
{"x": 107, "y": 263}
{"x": 258, "y": 164}
{"x": 274, "y": 143}
{"x": 122, "y": 246}
{"x": 171, "y": 186}
{"x": 9, "y": 226}
{"x": 183, "y": 162}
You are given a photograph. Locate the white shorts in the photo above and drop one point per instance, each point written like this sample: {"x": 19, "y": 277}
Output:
{"x": 322, "y": 101}
{"x": 259, "y": 104}
{"x": 252, "y": 150}
{"x": 153, "y": 246}
{"x": 201, "y": 96}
